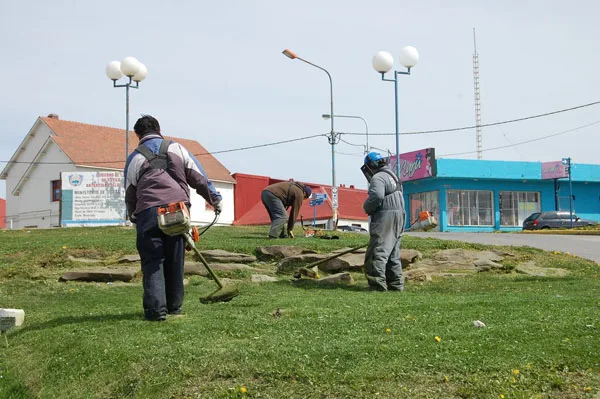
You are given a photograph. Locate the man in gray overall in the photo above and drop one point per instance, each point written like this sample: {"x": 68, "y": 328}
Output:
{"x": 385, "y": 207}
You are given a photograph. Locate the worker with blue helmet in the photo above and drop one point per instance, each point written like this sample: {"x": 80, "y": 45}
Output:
{"x": 385, "y": 207}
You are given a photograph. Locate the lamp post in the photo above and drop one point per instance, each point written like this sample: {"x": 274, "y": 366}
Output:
{"x": 328, "y": 116}
{"x": 567, "y": 163}
{"x": 383, "y": 62}
{"x": 333, "y": 137}
{"x": 136, "y": 72}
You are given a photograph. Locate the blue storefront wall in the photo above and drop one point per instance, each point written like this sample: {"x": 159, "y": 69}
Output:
{"x": 497, "y": 176}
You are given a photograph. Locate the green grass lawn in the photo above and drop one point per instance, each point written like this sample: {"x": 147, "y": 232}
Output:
{"x": 88, "y": 340}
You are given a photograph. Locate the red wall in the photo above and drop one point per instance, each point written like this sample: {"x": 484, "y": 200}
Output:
{"x": 247, "y": 191}
{"x": 2, "y": 213}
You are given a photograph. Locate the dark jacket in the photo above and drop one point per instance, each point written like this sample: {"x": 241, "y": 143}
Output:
{"x": 146, "y": 187}
{"x": 291, "y": 194}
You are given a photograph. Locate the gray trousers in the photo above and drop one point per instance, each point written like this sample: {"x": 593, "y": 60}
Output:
{"x": 382, "y": 259}
{"x": 277, "y": 213}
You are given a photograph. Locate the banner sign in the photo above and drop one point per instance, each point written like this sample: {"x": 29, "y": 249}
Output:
{"x": 92, "y": 199}
{"x": 415, "y": 165}
{"x": 554, "y": 170}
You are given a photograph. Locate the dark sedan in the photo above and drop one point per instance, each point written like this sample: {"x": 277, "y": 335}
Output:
{"x": 554, "y": 220}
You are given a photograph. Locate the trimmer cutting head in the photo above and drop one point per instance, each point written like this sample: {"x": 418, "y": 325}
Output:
{"x": 224, "y": 294}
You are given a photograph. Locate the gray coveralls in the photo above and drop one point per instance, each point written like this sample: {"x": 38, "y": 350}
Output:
{"x": 385, "y": 206}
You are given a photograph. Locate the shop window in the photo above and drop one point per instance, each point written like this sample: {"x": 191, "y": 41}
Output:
{"x": 56, "y": 190}
{"x": 470, "y": 208}
{"x": 427, "y": 201}
{"x": 516, "y": 206}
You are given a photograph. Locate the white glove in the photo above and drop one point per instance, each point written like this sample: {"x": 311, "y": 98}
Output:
{"x": 218, "y": 207}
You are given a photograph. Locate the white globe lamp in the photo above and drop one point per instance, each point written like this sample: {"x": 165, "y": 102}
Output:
{"x": 113, "y": 70}
{"x": 130, "y": 66}
{"x": 383, "y": 61}
{"x": 409, "y": 56}
{"x": 141, "y": 73}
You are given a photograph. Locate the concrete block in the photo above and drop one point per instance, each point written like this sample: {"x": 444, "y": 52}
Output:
{"x": 18, "y": 314}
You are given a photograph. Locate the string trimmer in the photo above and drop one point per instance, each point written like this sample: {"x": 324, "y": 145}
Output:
{"x": 173, "y": 220}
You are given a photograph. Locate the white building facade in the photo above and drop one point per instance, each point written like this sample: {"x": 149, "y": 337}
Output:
{"x": 53, "y": 146}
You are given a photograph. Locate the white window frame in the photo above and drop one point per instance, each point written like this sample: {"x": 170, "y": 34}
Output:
{"x": 467, "y": 210}
{"x": 519, "y": 207}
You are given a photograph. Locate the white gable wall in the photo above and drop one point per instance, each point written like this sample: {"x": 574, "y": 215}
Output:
{"x": 34, "y": 206}
{"x": 31, "y": 206}
{"x": 201, "y": 215}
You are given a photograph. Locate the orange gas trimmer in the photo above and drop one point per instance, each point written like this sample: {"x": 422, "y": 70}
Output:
{"x": 174, "y": 219}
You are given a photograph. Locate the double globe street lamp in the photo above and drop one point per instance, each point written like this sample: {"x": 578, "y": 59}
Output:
{"x": 135, "y": 71}
{"x": 383, "y": 62}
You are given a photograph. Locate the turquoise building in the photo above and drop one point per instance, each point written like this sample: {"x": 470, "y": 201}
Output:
{"x": 485, "y": 196}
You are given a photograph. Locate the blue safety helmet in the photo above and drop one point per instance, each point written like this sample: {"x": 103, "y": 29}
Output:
{"x": 374, "y": 160}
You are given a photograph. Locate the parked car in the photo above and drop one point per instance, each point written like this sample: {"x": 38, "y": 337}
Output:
{"x": 554, "y": 220}
{"x": 355, "y": 229}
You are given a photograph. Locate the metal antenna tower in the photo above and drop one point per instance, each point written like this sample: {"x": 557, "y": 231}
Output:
{"x": 477, "y": 98}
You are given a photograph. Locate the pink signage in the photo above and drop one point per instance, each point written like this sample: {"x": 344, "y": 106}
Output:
{"x": 553, "y": 170}
{"x": 415, "y": 165}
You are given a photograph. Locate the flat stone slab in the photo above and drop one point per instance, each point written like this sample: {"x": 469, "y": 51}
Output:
{"x": 409, "y": 256}
{"x": 276, "y": 252}
{"x": 221, "y": 256}
{"x": 263, "y": 278}
{"x": 530, "y": 269}
{"x": 338, "y": 278}
{"x": 129, "y": 259}
{"x": 101, "y": 274}
{"x": 465, "y": 256}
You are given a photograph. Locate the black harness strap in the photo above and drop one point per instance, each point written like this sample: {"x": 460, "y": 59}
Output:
{"x": 156, "y": 161}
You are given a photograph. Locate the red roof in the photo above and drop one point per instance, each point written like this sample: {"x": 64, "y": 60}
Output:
{"x": 350, "y": 202}
{"x": 104, "y": 147}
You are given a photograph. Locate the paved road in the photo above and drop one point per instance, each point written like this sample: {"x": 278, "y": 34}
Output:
{"x": 583, "y": 246}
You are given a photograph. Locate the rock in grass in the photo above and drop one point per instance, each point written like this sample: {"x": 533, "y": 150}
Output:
{"x": 276, "y": 252}
{"x": 478, "y": 324}
{"x": 263, "y": 278}
{"x": 218, "y": 255}
{"x": 409, "y": 256}
{"x": 17, "y": 314}
{"x": 339, "y": 278}
{"x": 129, "y": 259}
{"x": 532, "y": 270}
{"x": 101, "y": 274}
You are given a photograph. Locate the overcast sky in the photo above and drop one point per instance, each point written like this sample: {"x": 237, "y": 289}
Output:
{"x": 217, "y": 75}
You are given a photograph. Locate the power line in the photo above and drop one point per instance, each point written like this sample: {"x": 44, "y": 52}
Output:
{"x": 264, "y": 145}
{"x": 526, "y": 141}
{"x": 196, "y": 155}
{"x": 349, "y": 143}
{"x": 352, "y": 134}
{"x": 484, "y": 125}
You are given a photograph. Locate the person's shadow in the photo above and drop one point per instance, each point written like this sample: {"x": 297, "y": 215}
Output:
{"x": 61, "y": 321}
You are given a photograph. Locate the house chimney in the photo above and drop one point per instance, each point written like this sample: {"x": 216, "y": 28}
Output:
{"x": 53, "y": 116}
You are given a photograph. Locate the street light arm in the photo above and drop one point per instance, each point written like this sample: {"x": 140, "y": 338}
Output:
{"x": 330, "y": 89}
{"x": 332, "y": 136}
